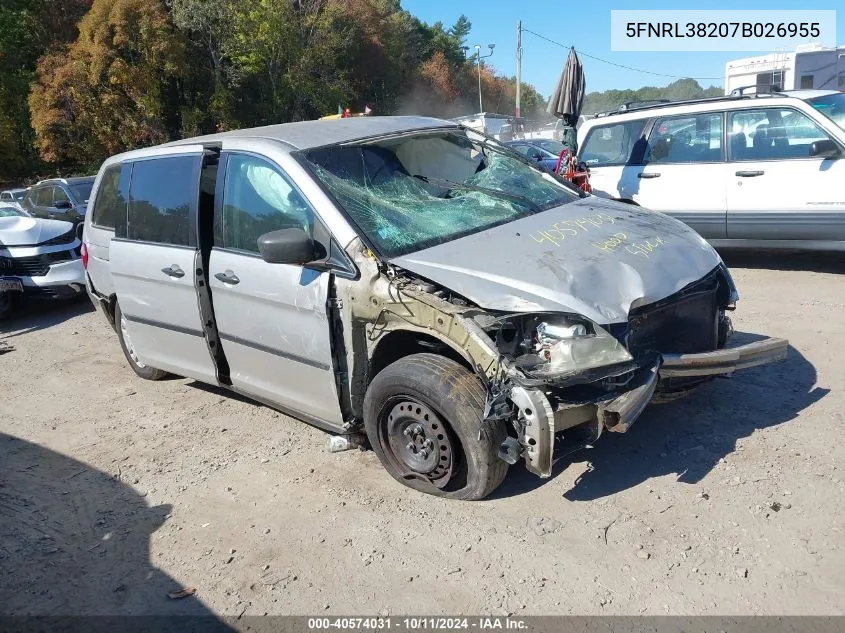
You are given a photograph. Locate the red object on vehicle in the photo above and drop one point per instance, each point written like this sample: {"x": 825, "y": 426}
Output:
{"x": 83, "y": 251}
{"x": 580, "y": 179}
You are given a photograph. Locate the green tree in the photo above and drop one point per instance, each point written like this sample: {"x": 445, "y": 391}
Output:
{"x": 677, "y": 90}
{"x": 28, "y": 29}
{"x": 207, "y": 24}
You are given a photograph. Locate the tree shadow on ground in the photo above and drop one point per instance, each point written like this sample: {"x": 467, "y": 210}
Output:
{"x": 687, "y": 437}
{"x": 74, "y": 541}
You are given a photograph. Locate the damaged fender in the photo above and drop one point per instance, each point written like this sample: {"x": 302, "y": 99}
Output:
{"x": 375, "y": 305}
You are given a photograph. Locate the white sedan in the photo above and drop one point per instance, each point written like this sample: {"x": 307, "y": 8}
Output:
{"x": 39, "y": 259}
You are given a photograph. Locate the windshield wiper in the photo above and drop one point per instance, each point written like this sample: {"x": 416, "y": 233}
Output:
{"x": 451, "y": 184}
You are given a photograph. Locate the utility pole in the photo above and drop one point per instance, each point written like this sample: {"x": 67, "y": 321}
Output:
{"x": 478, "y": 58}
{"x": 518, "y": 69}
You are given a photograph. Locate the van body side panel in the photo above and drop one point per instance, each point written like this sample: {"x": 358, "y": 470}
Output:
{"x": 274, "y": 330}
{"x": 161, "y": 310}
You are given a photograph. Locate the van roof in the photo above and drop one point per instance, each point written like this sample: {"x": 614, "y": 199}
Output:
{"x": 310, "y": 134}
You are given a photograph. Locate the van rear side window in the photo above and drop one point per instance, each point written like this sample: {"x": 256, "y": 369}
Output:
{"x": 112, "y": 196}
{"x": 163, "y": 194}
{"x": 611, "y": 144}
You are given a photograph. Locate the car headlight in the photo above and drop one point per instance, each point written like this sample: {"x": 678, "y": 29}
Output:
{"x": 565, "y": 345}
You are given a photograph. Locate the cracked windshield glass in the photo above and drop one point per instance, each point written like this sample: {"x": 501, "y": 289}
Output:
{"x": 414, "y": 192}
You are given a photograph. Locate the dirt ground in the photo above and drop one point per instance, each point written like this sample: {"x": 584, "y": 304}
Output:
{"x": 115, "y": 491}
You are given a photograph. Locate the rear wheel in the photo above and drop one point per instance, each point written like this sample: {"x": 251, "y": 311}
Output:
{"x": 144, "y": 371}
{"x": 423, "y": 417}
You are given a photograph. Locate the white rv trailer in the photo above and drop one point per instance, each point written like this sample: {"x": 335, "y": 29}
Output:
{"x": 810, "y": 66}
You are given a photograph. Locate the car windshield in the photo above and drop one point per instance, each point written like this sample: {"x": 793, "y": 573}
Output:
{"x": 9, "y": 212}
{"x": 416, "y": 191}
{"x": 82, "y": 190}
{"x": 18, "y": 195}
{"x": 832, "y": 106}
{"x": 553, "y": 147}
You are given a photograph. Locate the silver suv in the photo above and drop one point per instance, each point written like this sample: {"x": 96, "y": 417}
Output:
{"x": 411, "y": 279}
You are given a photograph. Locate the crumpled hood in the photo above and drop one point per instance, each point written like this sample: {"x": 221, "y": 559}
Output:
{"x": 593, "y": 257}
{"x": 21, "y": 231}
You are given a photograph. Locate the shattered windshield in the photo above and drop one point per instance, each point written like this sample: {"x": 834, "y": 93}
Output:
{"x": 413, "y": 192}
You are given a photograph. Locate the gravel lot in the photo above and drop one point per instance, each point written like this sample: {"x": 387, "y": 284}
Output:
{"x": 115, "y": 491}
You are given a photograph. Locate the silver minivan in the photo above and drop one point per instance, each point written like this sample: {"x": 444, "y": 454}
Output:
{"x": 410, "y": 279}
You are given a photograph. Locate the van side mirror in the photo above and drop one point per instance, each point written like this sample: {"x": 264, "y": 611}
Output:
{"x": 287, "y": 246}
{"x": 62, "y": 204}
{"x": 826, "y": 148}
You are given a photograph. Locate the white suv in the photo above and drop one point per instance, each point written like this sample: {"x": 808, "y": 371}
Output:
{"x": 758, "y": 171}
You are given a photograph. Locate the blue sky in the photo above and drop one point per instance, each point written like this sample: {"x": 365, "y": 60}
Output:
{"x": 586, "y": 25}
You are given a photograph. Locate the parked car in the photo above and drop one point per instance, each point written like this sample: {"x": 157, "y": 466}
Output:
{"x": 544, "y": 151}
{"x": 39, "y": 259}
{"x": 12, "y": 198}
{"x": 59, "y": 198}
{"x": 410, "y": 278}
{"x": 761, "y": 171}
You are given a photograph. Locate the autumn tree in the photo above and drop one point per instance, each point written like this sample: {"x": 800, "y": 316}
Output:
{"x": 115, "y": 88}
{"x": 146, "y": 71}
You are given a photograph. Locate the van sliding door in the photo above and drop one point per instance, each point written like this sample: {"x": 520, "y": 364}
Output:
{"x": 153, "y": 265}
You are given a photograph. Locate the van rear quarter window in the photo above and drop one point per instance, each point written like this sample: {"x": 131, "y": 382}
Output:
{"x": 162, "y": 195}
{"x": 112, "y": 196}
{"x": 611, "y": 144}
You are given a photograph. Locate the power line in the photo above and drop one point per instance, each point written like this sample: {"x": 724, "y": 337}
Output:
{"x": 599, "y": 59}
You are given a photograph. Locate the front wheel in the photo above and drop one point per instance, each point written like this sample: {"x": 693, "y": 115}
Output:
{"x": 423, "y": 418}
{"x": 7, "y": 305}
{"x": 144, "y": 371}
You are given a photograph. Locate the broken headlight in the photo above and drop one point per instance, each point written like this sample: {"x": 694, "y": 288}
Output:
{"x": 561, "y": 345}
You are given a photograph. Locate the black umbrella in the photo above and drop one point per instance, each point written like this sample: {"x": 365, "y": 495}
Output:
{"x": 568, "y": 97}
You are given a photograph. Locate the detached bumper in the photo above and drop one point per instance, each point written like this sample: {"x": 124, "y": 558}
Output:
{"x": 620, "y": 413}
{"x": 724, "y": 361}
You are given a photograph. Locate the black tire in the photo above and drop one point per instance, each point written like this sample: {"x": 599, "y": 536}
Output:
{"x": 144, "y": 371}
{"x": 433, "y": 384}
{"x": 7, "y": 305}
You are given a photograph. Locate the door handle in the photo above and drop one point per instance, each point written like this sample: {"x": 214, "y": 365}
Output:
{"x": 228, "y": 277}
{"x": 649, "y": 174}
{"x": 173, "y": 271}
{"x": 749, "y": 174}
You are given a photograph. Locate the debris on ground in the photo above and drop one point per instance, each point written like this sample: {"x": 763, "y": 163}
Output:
{"x": 178, "y": 594}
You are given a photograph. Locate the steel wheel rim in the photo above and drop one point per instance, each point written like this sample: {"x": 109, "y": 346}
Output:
{"x": 127, "y": 341}
{"x": 418, "y": 442}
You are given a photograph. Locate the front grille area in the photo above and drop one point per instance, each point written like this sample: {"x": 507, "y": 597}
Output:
{"x": 686, "y": 324}
{"x": 35, "y": 266}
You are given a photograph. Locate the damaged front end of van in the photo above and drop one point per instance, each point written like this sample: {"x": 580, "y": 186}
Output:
{"x": 573, "y": 311}
{"x": 556, "y": 379}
